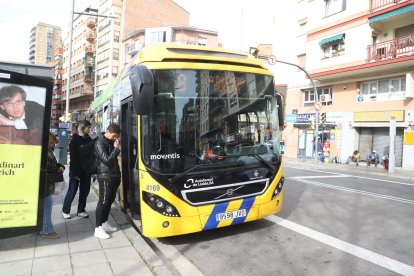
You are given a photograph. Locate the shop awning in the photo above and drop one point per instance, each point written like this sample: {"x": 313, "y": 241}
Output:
{"x": 106, "y": 94}
{"x": 391, "y": 14}
{"x": 331, "y": 39}
{"x": 377, "y": 124}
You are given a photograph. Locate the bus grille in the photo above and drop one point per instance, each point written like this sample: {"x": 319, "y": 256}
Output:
{"x": 227, "y": 192}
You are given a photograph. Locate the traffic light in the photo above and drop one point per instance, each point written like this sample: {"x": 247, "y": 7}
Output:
{"x": 323, "y": 118}
{"x": 311, "y": 123}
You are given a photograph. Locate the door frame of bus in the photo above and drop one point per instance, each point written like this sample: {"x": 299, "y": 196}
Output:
{"x": 130, "y": 179}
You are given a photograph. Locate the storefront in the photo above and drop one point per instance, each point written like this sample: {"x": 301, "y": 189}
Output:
{"x": 373, "y": 128}
{"x": 328, "y": 133}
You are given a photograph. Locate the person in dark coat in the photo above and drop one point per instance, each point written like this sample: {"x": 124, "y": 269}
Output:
{"x": 54, "y": 174}
{"x": 107, "y": 149}
{"x": 78, "y": 178}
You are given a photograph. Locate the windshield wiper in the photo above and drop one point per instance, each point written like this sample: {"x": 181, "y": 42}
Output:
{"x": 180, "y": 175}
{"x": 267, "y": 163}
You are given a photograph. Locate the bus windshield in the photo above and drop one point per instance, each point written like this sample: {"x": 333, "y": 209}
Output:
{"x": 209, "y": 118}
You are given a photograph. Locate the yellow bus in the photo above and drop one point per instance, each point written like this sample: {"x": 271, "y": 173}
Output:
{"x": 200, "y": 138}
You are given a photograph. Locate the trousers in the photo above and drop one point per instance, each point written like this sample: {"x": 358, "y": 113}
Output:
{"x": 47, "y": 216}
{"x": 84, "y": 185}
{"x": 107, "y": 194}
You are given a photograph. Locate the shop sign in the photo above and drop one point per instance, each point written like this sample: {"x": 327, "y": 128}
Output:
{"x": 379, "y": 116}
{"x": 304, "y": 118}
{"x": 409, "y": 138}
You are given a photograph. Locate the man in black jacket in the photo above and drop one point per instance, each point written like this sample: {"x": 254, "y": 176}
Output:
{"x": 107, "y": 149}
{"x": 78, "y": 178}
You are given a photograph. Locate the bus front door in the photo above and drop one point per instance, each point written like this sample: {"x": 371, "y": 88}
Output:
{"x": 129, "y": 152}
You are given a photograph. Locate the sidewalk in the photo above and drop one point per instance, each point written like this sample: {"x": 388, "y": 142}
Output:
{"x": 77, "y": 251}
{"x": 362, "y": 168}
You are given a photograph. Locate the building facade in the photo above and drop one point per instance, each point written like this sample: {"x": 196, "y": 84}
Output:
{"x": 57, "y": 110}
{"x": 108, "y": 43}
{"x": 82, "y": 67}
{"x": 360, "y": 55}
{"x": 44, "y": 39}
{"x": 137, "y": 39}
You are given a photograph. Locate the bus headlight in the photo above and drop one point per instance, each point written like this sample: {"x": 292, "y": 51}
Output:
{"x": 160, "y": 205}
{"x": 278, "y": 188}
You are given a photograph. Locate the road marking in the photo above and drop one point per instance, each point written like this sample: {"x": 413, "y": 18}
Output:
{"x": 409, "y": 201}
{"x": 181, "y": 263}
{"x": 318, "y": 176}
{"x": 352, "y": 249}
{"x": 350, "y": 175}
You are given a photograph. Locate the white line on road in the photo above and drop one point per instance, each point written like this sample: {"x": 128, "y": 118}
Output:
{"x": 355, "y": 250}
{"x": 409, "y": 201}
{"x": 318, "y": 176}
{"x": 350, "y": 175}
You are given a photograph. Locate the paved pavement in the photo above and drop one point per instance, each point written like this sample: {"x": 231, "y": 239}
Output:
{"x": 77, "y": 251}
{"x": 362, "y": 168}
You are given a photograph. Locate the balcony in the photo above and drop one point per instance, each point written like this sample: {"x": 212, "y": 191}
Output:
{"x": 376, "y": 5}
{"x": 88, "y": 78}
{"x": 89, "y": 50}
{"x": 391, "y": 49}
{"x": 91, "y": 22}
{"x": 90, "y": 36}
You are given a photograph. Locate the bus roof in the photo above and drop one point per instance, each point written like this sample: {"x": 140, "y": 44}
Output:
{"x": 184, "y": 53}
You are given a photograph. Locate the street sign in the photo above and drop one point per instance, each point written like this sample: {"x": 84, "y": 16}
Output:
{"x": 318, "y": 105}
{"x": 271, "y": 60}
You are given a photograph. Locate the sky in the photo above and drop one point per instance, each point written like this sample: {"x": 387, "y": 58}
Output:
{"x": 236, "y": 21}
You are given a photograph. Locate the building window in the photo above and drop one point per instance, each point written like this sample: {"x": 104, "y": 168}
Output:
{"x": 334, "y": 6}
{"x": 158, "y": 37}
{"x": 383, "y": 86}
{"x": 302, "y": 60}
{"x": 202, "y": 41}
{"x": 324, "y": 95}
{"x": 116, "y": 54}
{"x": 302, "y": 28}
{"x": 333, "y": 46}
{"x": 116, "y": 36}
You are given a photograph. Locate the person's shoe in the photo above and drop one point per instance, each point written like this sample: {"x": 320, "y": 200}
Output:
{"x": 52, "y": 235}
{"x": 100, "y": 233}
{"x": 83, "y": 215}
{"x": 108, "y": 228}
{"x": 66, "y": 216}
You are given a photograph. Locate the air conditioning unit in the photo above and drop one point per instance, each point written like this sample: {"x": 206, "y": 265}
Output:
{"x": 325, "y": 98}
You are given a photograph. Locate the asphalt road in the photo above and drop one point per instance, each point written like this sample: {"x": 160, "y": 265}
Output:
{"x": 332, "y": 223}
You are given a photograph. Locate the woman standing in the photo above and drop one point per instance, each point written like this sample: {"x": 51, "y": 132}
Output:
{"x": 78, "y": 178}
{"x": 54, "y": 174}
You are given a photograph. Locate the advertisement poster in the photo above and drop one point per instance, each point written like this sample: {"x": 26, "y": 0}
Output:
{"x": 22, "y": 110}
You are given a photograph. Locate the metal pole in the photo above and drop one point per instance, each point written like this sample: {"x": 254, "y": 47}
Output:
{"x": 70, "y": 62}
{"x": 316, "y": 111}
{"x": 391, "y": 157}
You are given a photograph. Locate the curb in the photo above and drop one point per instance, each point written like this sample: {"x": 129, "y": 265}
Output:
{"x": 147, "y": 254}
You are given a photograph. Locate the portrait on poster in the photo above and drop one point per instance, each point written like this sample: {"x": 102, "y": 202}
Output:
{"x": 21, "y": 114}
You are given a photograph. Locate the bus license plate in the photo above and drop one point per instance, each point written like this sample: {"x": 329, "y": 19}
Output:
{"x": 231, "y": 215}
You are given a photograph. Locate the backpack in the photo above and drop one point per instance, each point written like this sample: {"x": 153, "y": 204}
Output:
{"x": 88, "y": 160}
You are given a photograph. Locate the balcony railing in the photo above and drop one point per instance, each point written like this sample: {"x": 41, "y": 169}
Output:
{"x": 398, "y": 47}
{"x": 382, "y": 4}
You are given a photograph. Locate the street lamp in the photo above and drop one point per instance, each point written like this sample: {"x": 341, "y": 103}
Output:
{"x": 316, "y": 131}
{"x": 72, "y": 12}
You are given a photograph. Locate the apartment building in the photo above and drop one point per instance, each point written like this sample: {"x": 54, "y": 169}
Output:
{"x": 57, "y": 110}
{"x": 82, "y": 66}
{"x": 360, "y": 53}
{"x": 108, "y": 43}
{"x": 137, "y": 39}
{"x": 44, "y": 39}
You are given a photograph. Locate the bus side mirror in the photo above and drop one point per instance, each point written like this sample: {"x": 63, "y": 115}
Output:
{"x": 142, "y": 85}
{"x": 279, "y": 102}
